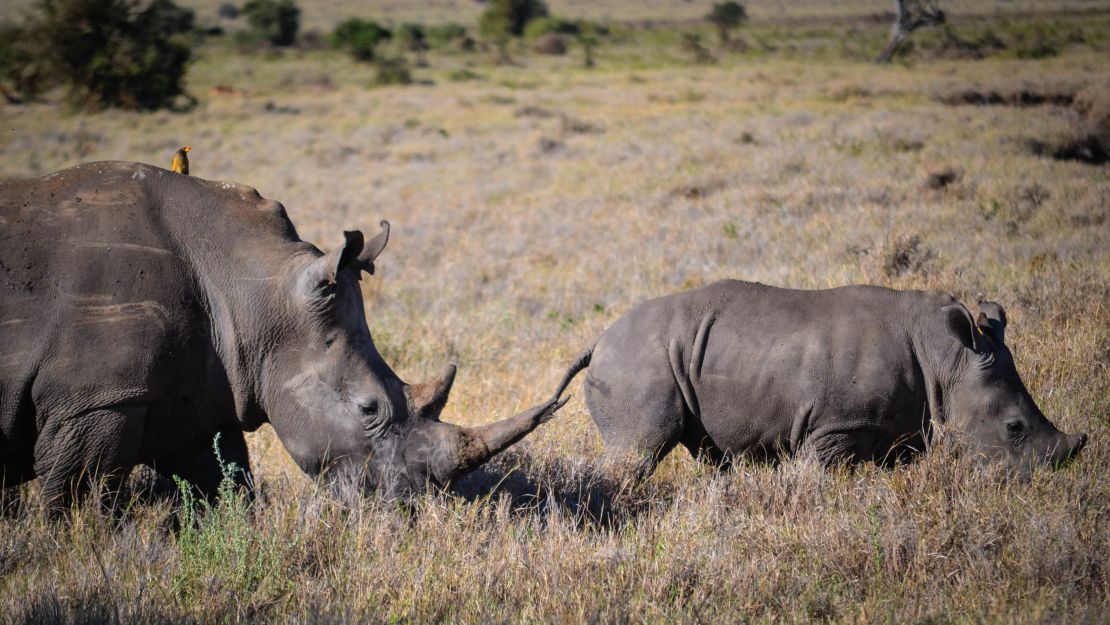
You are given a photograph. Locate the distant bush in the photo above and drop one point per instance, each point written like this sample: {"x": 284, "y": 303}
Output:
{"x": 589, "y": 37}
{"x": 508, "y": 18}
{"x": 360, "y": 37}
{"x": 275, "y": 21}
{"x": 549, "y": 25}
{"x": 23, "y": 72}
{"x": 412, "y": 37}
{"x": 228, "y": 11}
{"x": 392, "y": 71}
{"x": 107, "y": 53}
{"x": 444, "y": 35}
{"x": 691, "y": 44}
{"x": 727, "y": 17}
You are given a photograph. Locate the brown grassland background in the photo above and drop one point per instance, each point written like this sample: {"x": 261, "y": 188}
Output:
{"x": 535, "y": 203}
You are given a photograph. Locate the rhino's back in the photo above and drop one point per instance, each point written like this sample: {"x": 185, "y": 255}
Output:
{"x": 93, "y": 289}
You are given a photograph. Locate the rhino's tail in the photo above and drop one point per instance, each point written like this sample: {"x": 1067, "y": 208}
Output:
{"x": 581, "y": 363}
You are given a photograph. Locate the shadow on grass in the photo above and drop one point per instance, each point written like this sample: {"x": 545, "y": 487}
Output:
{"x": 574, "y": 488}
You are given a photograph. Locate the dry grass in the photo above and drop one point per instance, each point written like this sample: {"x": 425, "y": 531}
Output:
{"x": 520, "y": 236}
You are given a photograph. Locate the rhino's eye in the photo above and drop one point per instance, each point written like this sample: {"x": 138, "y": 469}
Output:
{"x": 1015, "y": 429}
{"x": 369, "y": 407}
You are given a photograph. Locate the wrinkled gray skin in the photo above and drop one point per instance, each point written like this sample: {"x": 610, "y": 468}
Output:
{"x": 144, "y": 312}
{"x": 858, "y": 373}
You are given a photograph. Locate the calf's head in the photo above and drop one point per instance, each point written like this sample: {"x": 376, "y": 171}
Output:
{"x": 988, "y": 400}
{"x": 341, "y": 411}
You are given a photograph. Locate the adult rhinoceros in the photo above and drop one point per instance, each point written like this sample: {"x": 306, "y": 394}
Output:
{"x": 144, "y": 312}
{"x": 857, "y": 373}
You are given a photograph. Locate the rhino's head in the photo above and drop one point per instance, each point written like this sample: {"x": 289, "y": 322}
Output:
{"x": 339, "y": 409}
{"x": 988, "y": 400}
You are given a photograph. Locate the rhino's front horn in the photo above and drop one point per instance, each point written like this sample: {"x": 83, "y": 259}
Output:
{"x": 427, "y": 400}
{"x": 476, "y": 445}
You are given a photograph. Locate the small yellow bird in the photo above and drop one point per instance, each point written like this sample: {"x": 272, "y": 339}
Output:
{"x": 181, "y": 161}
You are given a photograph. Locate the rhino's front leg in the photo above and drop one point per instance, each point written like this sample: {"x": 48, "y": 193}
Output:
{"x": 96, "y": 448}
{"x": 200, "y": 466}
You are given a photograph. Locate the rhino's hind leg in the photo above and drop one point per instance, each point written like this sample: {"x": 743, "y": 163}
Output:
{"x": 199, "y": 465}
{"x": 639, "y": 426}
{"x": 94, "y": 449}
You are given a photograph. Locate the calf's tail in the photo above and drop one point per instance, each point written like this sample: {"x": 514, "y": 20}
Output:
{"x": 580, "y": 364}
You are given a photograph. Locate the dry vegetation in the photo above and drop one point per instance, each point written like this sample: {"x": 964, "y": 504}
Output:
{"x": 535, "y": 204}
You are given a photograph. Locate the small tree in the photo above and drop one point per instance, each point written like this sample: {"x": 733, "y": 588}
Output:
{"x": 691, "y": 43}
{"x": 727, "y": 17}
{"x": 23, "y": 71}
{"x": 588, "y": 38}
{"x": 511, "y": 16}
{"x": 276, "y": 21}
{"x": 909, "y": 15}
{"x": 360, "y": 37}
{"x": 107, "y": 53}
{"x": 412, "y": 37}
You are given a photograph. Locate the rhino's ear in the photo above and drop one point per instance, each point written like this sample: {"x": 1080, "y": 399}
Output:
{"x": 341, "y": 257}
{"x": 992, "y": 321}
{"x": 374, "y": 247}
{"x": 960, "y": 327}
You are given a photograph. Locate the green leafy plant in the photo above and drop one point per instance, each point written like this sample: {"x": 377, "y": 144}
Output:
{"x": 549, "y": 25}
{"x": 219, "y": 548}
{"x": 392, "y": 70}
{"x": 727, "y": 17}
{"x": 509, "y": 17}
{"x": 107, "y": 53}
{"x": 412, "y": 37}
{"x": 360, "y": 37}
{"x": 275, "y": 21}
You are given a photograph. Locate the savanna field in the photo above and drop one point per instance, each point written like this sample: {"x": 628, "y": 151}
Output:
{"x": 535, "y": 202}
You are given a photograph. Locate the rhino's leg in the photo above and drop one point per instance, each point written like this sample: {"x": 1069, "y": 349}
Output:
{"x": 200, "y": 466}
{"x": 640, "y": 423}
{"x": 94, "y": 448}
{"x": 702, "y": 448}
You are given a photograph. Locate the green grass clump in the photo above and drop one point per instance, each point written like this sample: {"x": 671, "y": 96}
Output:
{"x": 221, "y": 552}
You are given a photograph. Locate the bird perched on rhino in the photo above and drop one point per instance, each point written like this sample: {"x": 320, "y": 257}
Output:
{"x": 180, "y": 162}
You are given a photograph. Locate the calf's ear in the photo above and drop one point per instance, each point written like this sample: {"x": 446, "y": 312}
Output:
{"x": 374, "y": 247}
{"x": 341, "y": 257}
{"x": 992, "y": 321}
{"x": 960, "y": 327}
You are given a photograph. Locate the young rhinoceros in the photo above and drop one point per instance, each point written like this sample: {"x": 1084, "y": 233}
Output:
{"x": 142, "y": 313}
{"x": 857, "y": 373}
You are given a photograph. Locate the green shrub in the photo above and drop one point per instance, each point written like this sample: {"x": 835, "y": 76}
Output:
{"x": 22, "y": 71}
{"x": 392, "y": 71}
{"x": 726, "y": 16}
{"x": 360, "y": 37}
{"x": 444, "y": 35}
{"x": 275, "y": 21}
{"x": 220, "y": 551}
{"x": 107, "y": 53}
{"x": 549, "y": 25}
{"x": 507, "y": 18}
{"x": 412, "y": 37}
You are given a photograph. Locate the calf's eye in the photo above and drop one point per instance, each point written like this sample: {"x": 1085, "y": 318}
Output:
{"x": 1015, "y": 427}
